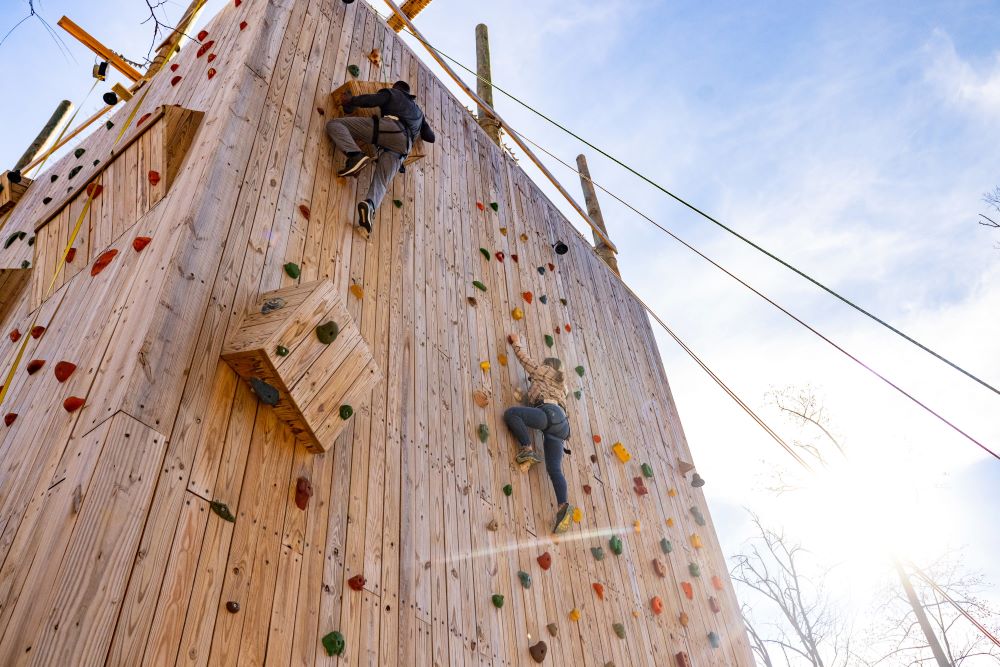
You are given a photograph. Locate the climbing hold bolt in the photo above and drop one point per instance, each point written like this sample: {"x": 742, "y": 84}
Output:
{"x": 538, "y": 651}
{"x": 545, "y": 561}
{"x": 616, "y": 546}
{"x": 357, "y": 582}
{"x": 222, "y": 510}
{"x": 619, "y": 630}
{"x": 333, "y": 643}
{"x": 303, "y": 492}
{"x": 525, "y": 578}
{"x": 346, "y": 411}
{"x": 327, "y": 332}
{"x": 497, "y": 600}
{"x": 508, "y": 490}
{"x": 267, "y": 394}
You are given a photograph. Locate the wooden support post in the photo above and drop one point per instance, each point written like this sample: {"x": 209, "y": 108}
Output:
{"x": 483, "y": 84}
{"x": 91, "y": 43}
{"x": 604, "y": 251}
{"x": 411, "y": 8}
{"x": 921, "y": 614}
{"x": 172, "y": 43}
{"x": 46, "y": 137}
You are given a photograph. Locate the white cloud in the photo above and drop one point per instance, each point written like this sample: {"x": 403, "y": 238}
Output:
{"x": 960, "y": 81}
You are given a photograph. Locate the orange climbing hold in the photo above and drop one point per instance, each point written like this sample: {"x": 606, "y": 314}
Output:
{"x": 684, "y": 619}
{"x": 484, "y": 366}
{"x": 37, "y": 331}
{"x": 480, "y": 206}
{"x": 688, "y": 591}
{"x": 73, "y": 403}
{"x": 657, "y": 605}
{"x": 574, "y": 614}
{"x": 599, "y": 589}
{"x": 716, "y": 582}
{"x": 140, "y": 242}
{"x": 670, "y": 522}
{"x": 696, "y": 541}
{"x": 211, "y": 71}
{"x": 9, "y": 418}
{"x": 102, "y": 261}
{"x": 63, "y": 370}
{"x": 154, "y": 178}
{"x": 503, "y": 231}
{"x": 597, "y": 439}
{"x": 545, "y": 561}
{"x": 34, "y": 366}
{"x": 568, "y": 328}
{"x": 502, "y": 358}
{"x": 357, "y": 291}
{"x": 527, "y": 296}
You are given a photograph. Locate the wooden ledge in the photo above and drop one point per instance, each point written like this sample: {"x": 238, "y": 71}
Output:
{"x": 356, "y": 88}
{"x": 11, "y": 193}
{"x": 277, "y": 343}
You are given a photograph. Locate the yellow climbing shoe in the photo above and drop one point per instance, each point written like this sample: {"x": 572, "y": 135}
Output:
{"x": 564, "y": 519}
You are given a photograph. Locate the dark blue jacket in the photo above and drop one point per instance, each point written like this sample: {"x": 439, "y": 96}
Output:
{"x": 392, "y": 102}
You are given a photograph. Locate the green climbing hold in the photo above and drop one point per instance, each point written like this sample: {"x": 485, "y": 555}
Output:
{"x": 699, "y": 518}
{"x": 619, "y": 630}
{"x": 354, "y": 70}
{"x": 666, "y": 546}
{"x": 694, "y": 570}
{"x": 616, "y": 545}
{"x": 578, "y": 394}
{"x": 549, "y": 340}
{"x": 327, "y": 333}
{"x": 525, "y": 578}
{"x": 478, "y": 285}
{"x": 222, "y": 509}
{"x": 495, "y": 206}
{"x": 397, "y": 203}
{"x": 334, "y": 643}
{"x": 484, "y": 433}
{"x": 78, "y": 153}
{"x": 713, "y": 639}
{"x": 598, "y": 553}
{"x": 281, "y": 351}
{"x": 75, "y": 170}
{"x": 497, "y": 600}
{"x": 293, "y": 270}
{"x": 485, "y": 253}
{"x": 346, "y": 411}
{"x": 16, "y": 236}
{"x": 647, "y": 470}
{"x": 267, "y": 394}
{"x": 508, "y": 490}
{"x": 579, "y": 371}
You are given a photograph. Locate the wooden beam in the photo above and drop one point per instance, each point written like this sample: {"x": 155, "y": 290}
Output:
{"x": 91, "y": 43}
{"x": 411, "y": 8}
{"x": 483, "y": 85}
{"x": 594, "y": 210}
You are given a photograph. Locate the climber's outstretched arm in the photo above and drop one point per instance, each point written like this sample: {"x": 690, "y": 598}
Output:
{"x": 530, "y": 366}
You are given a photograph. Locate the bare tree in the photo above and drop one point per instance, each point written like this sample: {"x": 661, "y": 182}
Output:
{"x": 898, "y": 640}
{"x": 808, "y": 626}
{"x": 992, "y": 199}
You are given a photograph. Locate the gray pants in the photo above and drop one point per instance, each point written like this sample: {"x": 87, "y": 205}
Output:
{"x": 345, "y": 134}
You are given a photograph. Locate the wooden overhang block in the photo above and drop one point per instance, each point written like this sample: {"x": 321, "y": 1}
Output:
{"x": 313, "y": 379}
{"x": 11, "y": 193}
{"x": 356, "y": 88}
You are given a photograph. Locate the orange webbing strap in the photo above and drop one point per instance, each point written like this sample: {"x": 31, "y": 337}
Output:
{"x": 62, "y": 261}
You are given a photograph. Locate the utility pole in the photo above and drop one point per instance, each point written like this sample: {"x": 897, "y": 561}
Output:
{"x": 918, "y": 609}
{"x": 46, "y": 137}
{"x": 604, "y": 251}
{"x": 483, "y": 84}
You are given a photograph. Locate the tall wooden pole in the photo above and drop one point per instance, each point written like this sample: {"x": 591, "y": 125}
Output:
{"x": 172, "y": 43}
{"x": 918, "y": 610}
{"x": 47, "y": 136}
{"x": 483, "y": 84}
{"x": 594, "y": 211}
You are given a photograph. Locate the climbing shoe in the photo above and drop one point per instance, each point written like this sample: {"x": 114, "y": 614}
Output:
{"x": 365, "y": 212}
{"x": 355, "y": 162}
{"x": 564, "y": 517}
{"x": 527, "y": 456}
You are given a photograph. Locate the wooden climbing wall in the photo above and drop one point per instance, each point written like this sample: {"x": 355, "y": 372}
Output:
{"x": 110, "y": 551}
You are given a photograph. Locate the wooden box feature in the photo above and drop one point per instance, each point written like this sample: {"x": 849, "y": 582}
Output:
{"x": 11, "y": 193}
{"x": 313, "y": 379}
{"x": 356, "y": 88}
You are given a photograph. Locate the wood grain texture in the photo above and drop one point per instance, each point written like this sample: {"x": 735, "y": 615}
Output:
{"x": 109, "y": 549}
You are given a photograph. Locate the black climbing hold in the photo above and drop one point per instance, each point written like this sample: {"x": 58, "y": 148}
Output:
{"x": 272, "y": 305}
{"x": 109, "y": 125}
{"x": 110, "y": 99}
{"x": 97, "y": 162}
{"x": 75, "y": 170}
{"x": 31, "y": 241}
{"x": 541, "y": 270}
{"x": 281, "y": 351}
{"x": 561, "y": 248}
{"x": 14, "y": 176}
{"x": 232, "y": 606}
{"x": 543, "y": 299}
{"x": 78, "y": 153}
{"x": 354, "y": 70}
{"x": 327, "y": 333}
{"x": 53, "y": 178}
{"x": 346, "y": 411}
{"x": 397, "y": 203}
{"x": 495, "y": 206}
{"x": 16, "y": 236}
{"x": 696, "y": 481}
{"x": 222, "y": 509}
{"x": 334, "y": 643}
{"x": 562, "y": 301}
{"x": 47, "y": 200}
{"x": 267, "y": 394}
{"x": 538, "y": 651}
{"x": 25, "y": 264}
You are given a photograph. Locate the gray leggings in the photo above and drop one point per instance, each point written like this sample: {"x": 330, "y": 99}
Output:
{"x": 345, "y": 134}
{"x": 551, "y": 420}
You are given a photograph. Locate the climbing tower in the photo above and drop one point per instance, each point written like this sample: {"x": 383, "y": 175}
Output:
{"x": 235, "y": 431}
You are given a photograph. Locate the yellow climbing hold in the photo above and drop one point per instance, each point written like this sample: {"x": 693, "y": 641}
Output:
{"x": 517, "y": 314}
{"x": 574, "y": 614}
{"x": 670, "y": 522}
{"x": 524, "y": 237}
{"x": 672, "y": 492}
{"x": 577, "y": 515}
{"x": 622, "y": 453}
{"x": 357, "y": 291}
{"x": 637, "y": 525}
{"x": 696, "y": 541}
{"x": 502, "y": 358}
{"x": 503, "y": 231}
{"x": 485, "y": 365}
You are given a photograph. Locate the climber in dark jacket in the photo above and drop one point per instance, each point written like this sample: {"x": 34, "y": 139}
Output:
{"x": 392, "y": 134}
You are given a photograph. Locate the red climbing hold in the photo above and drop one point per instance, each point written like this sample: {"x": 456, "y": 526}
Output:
{"x": 657, "y": 605}
{"x": 688, "y": 591}
{"x": 140, "y": 242}
{"x": 143, "y": 118}
{"x": 552, "y": 267}
{"x": 597, "y": 439}
{"x": 202, "y": 35}
{"x": 528, "y": 296}
{"x": 173, "y": 68}
{"x": 36, "y": 332}
{"x": 154, "y": 178}
{"x": 243, "y": 25}
{"x": 94, "y": 190}
{"x": 73, "y": 403}
{"x": 568, "y": 328}
{"x": 304, "y": 210}
{"x": 34, "y": 366}
{"x": 640, "y": 486}
{"x": 177, "y": 79}
{"x": 682, "y": 659}
{"x": 713, "y": 604}
{"x": 587, "y": 489}
{"x": 558, "y": 331}
{"x": 480, "y": 206}
{"x": 205, "y": 47}
{"x": 102, "y": 261}
{"x": 238, "y": 2}
{"x": 599, "y": 589}
{"x": 303, "y": 492}
{"x": 63, "y": 370}
{"x": 545, "y": 561}
{"x": 71, "y": 255}
{"x": 211, "y": 72}
{"x": 211, "y": 57}
{"x": 659, "y": 567}
{"x": 514, "y": 257}
{"x": 499, "y": 255}
{"x": 15, "y": 336}
{"x": 357, "y": 582}
{"x": 9, "y": 418}
{"x": 716, "y": 582}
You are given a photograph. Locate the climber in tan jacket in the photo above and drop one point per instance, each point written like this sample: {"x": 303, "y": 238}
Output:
{"x": 545, "y": 412}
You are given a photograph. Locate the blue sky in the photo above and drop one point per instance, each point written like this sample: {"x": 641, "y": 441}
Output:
{"x": 854, "y": 139}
